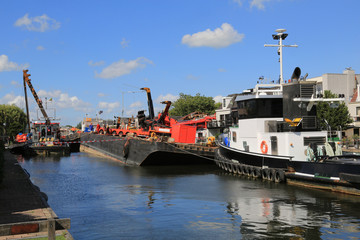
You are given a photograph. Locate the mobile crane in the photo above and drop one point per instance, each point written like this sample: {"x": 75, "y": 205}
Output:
{"x": 47, "y": 130}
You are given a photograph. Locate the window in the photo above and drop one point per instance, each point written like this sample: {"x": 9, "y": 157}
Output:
{"x": 234, "y": 136}
{"x": 260, "y": 108}
{"x": 224, "y": 103}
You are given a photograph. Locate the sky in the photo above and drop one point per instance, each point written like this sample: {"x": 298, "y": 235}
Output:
{"x": 92, "y": 56}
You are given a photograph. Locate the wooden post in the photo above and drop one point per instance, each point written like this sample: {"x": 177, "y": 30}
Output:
{"x": 51, "y": 229}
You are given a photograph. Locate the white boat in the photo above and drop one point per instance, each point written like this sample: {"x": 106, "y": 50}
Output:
{"x": 276, "y": 136}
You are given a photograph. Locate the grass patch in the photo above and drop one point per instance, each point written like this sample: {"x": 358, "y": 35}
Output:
{"x": 61, "y": 237}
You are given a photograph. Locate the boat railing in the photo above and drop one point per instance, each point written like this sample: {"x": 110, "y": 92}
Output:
{"x": 219, "y": 123}
{"x": 268, "y": 89}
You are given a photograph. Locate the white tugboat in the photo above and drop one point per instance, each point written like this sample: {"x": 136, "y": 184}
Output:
{"x": 276, "y": 136}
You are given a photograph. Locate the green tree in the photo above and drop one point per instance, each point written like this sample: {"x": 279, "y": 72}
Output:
{"x": 336, "y": 116}
{"x": 78, "y": 126}
{"x": 187, "y": 104}
{"x": 12, "y": 119}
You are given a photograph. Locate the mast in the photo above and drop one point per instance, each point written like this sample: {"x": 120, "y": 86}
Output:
{"x": 27, "y": 105}
{"x": 281, "y": 35}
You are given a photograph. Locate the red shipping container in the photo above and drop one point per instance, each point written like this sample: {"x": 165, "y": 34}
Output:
{"x": 183, "y": 133}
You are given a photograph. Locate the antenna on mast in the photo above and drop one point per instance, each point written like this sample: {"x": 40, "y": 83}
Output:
{"x": 281, "y": 35}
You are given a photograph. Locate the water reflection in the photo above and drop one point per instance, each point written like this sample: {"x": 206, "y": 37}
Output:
{"x": 182, "y": 202}
{"x": 280, "y": 211}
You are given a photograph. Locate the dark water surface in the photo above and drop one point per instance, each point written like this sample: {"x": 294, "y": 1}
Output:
{"x": 106, "y": 200}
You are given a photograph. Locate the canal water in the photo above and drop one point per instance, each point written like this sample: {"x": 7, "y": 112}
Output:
{"x": 106, "y": 200}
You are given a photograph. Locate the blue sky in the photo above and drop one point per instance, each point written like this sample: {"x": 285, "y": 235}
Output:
{"x": 86, "y": 55}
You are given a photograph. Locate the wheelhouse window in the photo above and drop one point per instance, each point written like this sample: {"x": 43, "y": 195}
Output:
{"x": 259, "y": 108}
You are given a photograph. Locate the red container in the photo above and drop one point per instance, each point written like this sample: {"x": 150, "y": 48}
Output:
{"x": 183, "y": 133}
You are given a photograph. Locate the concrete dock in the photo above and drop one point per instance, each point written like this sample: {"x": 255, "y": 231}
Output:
{"x": 24, "y": 211}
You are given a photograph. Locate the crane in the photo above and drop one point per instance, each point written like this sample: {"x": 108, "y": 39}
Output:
{"x": 165, "y": 113}
{"x": 38, "y": 101}
{"x": 150, "y": 102}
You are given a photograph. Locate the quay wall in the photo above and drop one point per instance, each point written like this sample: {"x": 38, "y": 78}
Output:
{"x": 2, "y": 150}
{"x": 23, "y": 204}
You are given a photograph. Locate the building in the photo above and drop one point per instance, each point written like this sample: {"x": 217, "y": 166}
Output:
{"x": 343, "y": 83}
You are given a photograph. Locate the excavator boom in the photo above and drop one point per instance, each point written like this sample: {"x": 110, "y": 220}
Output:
{"x": 150, "y": 102}
{"x": 165, "y": 112}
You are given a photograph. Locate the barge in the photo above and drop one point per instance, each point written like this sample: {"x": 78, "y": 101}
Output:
{"x": 136, "y": 151}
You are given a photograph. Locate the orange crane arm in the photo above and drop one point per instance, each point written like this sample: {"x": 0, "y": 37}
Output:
{"x": 150, "y": 102}
{"x": 165, "y": 112}
{"x": 38, "y": 101}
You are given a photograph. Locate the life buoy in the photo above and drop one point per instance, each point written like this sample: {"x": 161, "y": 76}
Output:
{"x": 264, "y": 147}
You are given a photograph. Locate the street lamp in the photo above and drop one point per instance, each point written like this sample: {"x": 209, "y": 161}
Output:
{"x": 281, "y": 35}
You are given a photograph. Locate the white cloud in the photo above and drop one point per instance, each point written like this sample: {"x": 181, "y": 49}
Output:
{"x": 253, "y": 3}
{"x": 238, "y": 2}
{"x": 192, "y": 77}
{"x": 101, "y": 94}
{"x": 95, "y": 64}
{"x": 40, "y": 48}
{"x": 167, "y": 97}
{"x": 137, "y": 104}
{"x": 120, "y": 68}
{"x": 218, "y": 99}
{"x": 64, "y": 100}
{"x": 38, "y": 24}
{"x": 108, "y": 106}
{"x": 219, "y": 38}
{"x": 10, "y": 99}
{"x": 6, "y": 65}
{"x": 258, "y": 4}
{"x": 16, "y": 83}
{"x": 51, "y": 94}
{"x": 222, "y": 70}
{"x": 124, "y": 43}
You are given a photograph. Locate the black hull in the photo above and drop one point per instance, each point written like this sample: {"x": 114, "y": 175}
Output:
{"x": 339, "y": 174}
{"x": 22, "y": 149}
{"x": 326, "y": 169}
{"x": 141, "y": 152}
{"x": 254, "y": 159}
{"x": 55, "y": 149}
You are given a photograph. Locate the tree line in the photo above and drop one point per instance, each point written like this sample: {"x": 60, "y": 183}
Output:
{"x": 13, "y": 119}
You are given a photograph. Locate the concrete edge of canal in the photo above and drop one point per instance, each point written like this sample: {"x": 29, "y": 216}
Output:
{"x": 24, "y": 211}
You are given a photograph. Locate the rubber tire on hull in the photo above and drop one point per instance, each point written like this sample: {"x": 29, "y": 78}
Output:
{"x": 229, "y": 167}
{"x": 233, "y": 167}
{"x": 238, "y": 170}
{"x": 265, "y": 174}
{"x": 256, "y": 172}
{"x": 225, "y": 166}
{"x": 249, "y": 171}
{"x": 222, "y": 165}
{"x": 279, "y": 176}
{"x": 242, "y": 169}
{"x": 271, "y": 176}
